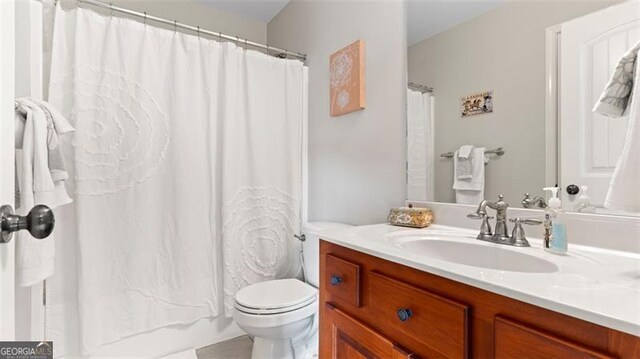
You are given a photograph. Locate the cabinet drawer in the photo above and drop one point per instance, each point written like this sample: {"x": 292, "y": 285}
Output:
{"x": 517, "y": 340}
{"x": 436, "y": 324}
{"x": 342, "y": 281}
{"x": 349, "y": 338}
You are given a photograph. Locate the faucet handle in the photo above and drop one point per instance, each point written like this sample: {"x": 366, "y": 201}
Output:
{"x": 482, "y": 216}
{"x": 527, "y": 221}
{"x": 518, "y": 236}
{"x": 485, "y": 228}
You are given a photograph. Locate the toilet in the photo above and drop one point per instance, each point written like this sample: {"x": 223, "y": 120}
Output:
{"x": 282, "y": 315}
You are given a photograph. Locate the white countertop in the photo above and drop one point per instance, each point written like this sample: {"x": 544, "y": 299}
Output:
{"x": 593, "y": 284}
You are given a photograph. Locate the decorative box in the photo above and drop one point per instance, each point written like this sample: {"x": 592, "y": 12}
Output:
{"x": 411, "y": 217}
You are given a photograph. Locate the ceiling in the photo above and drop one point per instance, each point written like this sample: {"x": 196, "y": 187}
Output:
{"x": 425, "y": 17}
{"x": 429, "y": 17}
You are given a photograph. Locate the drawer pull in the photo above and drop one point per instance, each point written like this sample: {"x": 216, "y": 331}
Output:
{"x": 404, "y": 314}
{"x": 335, "y": 280}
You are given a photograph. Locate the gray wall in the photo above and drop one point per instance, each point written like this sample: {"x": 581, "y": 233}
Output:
{"x": 357, "y": 161}
{"x": 197, "y": 13}
{"x": 504, "y": 51}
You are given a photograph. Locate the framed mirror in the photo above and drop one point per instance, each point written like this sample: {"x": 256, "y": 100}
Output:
{"x": 500, "y": 98}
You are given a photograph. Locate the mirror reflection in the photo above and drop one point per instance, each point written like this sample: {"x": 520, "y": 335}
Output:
{"x": 502, "y": 99}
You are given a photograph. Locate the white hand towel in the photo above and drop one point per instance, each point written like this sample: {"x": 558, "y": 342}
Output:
{"x": 465, "y": 151}
{"x": 464, "y": 166}
{"x": 624, "y": 190}
{"x": 470, "y": 191}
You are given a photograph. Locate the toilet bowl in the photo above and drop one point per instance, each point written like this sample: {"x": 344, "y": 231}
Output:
{"x": 282, "y": 315}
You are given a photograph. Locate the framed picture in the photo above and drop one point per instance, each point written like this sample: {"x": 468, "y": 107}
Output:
{"x": 346, "y": 71}
{"x": 477, "y": 104}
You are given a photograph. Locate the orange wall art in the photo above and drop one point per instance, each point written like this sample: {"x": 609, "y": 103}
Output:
{"x": 346, "y": 69}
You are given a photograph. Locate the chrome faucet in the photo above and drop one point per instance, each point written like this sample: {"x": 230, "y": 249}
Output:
{"x": 535, "y": 202}
{"x": 501, "y": 235}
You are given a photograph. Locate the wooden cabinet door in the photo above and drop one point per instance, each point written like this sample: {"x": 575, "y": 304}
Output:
{"x": 350, "y": 339}
{"x": 517, "y": 340}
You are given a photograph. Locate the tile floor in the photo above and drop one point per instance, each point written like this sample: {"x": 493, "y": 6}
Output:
{"x": 236, "y": 348}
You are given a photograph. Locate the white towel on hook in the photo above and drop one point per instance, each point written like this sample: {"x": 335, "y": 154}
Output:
{"x": 616, "y": 98}
{"x": 623, "y": 191}
{"x": 57, "y": 125}
{"x": 471, "y": 190}
{"x": 36, "y": 185}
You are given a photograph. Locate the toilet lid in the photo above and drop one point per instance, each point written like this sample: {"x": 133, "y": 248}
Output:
{"x": 275, "y": 294}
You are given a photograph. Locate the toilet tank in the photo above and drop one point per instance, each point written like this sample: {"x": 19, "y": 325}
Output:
{"x": 311, "y": 248}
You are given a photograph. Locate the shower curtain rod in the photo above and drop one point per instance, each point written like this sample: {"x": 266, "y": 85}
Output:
{"x": 279, "y": 52}
{"x": 421, "y": 88}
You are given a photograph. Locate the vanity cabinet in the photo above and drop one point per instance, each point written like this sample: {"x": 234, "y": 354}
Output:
{"x": 373, "y": 308}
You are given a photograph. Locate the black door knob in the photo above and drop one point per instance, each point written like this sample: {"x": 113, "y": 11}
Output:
{"x": 39, "y": 222}
{"x": 573, "y": 189}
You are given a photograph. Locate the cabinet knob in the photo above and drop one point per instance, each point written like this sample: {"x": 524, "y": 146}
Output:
{"x": 404, "y": 314}
{"x": 335, "y": 280}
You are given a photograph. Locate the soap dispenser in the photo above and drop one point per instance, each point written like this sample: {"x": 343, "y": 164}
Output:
{"x": 555, "y": 230}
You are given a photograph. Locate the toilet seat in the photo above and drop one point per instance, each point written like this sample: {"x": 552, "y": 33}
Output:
{"x": 273, "y": 320}
{"x": 275, "y": 297}
{"x": 258, "y": 311}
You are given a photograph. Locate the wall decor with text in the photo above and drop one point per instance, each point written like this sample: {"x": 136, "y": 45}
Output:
{"x": 476, "y": 104}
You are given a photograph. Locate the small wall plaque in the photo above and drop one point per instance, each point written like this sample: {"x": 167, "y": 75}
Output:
{"x": 477, "y": 104}
{"x": 346, "y": 70}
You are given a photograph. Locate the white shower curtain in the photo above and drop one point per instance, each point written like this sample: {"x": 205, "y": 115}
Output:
{"x": 261, "y": 173}
{"x": 171, "y": 129}
{"x": 420, "y": 180}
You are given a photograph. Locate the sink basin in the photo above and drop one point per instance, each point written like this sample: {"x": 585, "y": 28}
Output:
{"x": 478, "y": 255}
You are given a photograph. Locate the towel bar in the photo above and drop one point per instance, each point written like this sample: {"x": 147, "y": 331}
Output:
{"x": 498, "y": 152}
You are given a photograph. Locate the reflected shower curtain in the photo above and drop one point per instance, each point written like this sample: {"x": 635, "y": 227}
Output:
{"x": 184, "y": 147}
{"x": 420, "y": 156}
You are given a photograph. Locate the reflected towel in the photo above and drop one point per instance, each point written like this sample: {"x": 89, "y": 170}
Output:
{"x": 464, "y": 165}
{"x": 616, "y": 97}
{"x": 623, "y": 191}
{"x": 470, "y": 191}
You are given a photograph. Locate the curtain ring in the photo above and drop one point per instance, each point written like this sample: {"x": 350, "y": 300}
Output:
{"x": 219, "y": 36}
{"x": 145, "y": 17}
{"x": 175, "y": 25}
{"x": 245, "y": 44}
{"x": 111, "y": 8}
{"x": 198, "y": 31}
